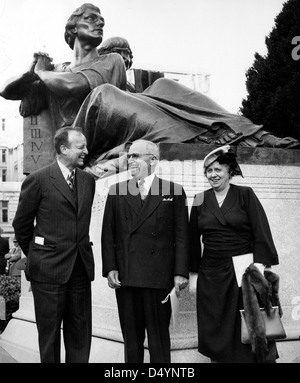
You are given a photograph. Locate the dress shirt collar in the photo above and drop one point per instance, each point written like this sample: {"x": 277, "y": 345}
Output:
{"x": 148, "y": 182}
{"x": 65, "y": 171}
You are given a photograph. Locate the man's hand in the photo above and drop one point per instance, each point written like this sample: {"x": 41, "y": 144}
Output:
{"x": 113, "y": 279}
{"x": 180, "y": 283}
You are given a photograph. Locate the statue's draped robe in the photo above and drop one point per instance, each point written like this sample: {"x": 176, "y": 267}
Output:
{"x": 165, "y": 112}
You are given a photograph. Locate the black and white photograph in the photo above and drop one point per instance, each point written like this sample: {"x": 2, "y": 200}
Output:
{"x": 149, "y": 184}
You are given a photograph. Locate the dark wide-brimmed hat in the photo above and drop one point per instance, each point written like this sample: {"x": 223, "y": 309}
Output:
{"x": 224, "y": 155}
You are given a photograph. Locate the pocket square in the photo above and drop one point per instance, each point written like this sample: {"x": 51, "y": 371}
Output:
{"x": 168, "y": 199}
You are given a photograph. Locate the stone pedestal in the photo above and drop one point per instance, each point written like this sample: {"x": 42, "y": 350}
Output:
{"x": 274, "y": 175}
{"x": 38, "y": 141}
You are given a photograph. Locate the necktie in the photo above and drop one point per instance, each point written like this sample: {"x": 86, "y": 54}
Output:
{"x": 142, "y": 188}
{"x": 70, "y": 179}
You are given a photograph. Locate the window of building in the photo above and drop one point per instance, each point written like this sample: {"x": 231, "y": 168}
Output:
{"x": 4, "y": 211}
{"x": 3, "y": 124}
{"x": 4, "y": 175}
{"x": 3, "y": 155}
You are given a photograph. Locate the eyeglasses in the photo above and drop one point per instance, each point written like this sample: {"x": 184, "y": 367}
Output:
{"x": 138, "y": 155}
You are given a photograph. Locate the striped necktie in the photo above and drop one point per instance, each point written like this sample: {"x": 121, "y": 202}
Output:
{"x": 142, "y": 188}
{"x": 70, "y": 179}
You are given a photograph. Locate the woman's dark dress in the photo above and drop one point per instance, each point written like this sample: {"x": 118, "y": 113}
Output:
{"x": 239, "y": 227}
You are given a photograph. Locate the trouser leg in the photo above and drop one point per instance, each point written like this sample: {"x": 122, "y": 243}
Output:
{"x": 158, "y": 317}
{"x": 77, "y": 321}
{"x": 49, "y": 302}
{"x": 132, "y": 321}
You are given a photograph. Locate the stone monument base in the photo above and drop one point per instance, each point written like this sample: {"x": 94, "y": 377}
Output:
{"x": 20, "y": 341}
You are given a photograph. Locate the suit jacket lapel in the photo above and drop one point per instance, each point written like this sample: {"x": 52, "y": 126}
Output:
{"x": 60, "y": 183}
{"x": 153, "y": 199}
{"x": 230, "y": 199}
{"x": 80, "y": 184}
{"x": 132, "y": 196}
{"x": 211, "y": 202}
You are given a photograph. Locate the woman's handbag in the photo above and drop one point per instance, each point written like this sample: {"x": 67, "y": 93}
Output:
{"x": 273, "y": 325}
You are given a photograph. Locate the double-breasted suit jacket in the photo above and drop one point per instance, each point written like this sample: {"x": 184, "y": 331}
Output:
{"x": 52, "y": 227}
{"x": 147, "y": 244}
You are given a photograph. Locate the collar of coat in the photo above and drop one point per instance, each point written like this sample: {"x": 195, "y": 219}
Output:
{"x": 61, "y": 185}
{"x": 212, "y": 204}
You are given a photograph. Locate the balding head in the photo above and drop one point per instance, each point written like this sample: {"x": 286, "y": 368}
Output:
{"x": 143, "y": 156}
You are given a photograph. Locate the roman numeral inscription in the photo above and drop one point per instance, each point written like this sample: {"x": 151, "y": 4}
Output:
{"x": 35, "y": 133}
{"x": 36, "y": 145}
{"x": 38, "y": 141}
{"x": 35, "y": 159}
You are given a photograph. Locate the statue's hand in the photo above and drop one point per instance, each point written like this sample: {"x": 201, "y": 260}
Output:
{"x": 106, "y": 168}
{"x": 31, "y": 66}
{"x": 42, "y": 62}
{"x": 227, "y": 137}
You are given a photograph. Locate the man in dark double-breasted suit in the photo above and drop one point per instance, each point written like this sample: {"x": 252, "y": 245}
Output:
{"x": 52, "y": 228}
{"x": 145, "y": 252}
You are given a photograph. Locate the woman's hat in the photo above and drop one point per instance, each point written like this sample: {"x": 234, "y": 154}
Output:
{"x": 224, "y": 155}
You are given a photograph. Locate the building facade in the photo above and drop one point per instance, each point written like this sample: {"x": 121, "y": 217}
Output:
{"x": 11, "y": 164}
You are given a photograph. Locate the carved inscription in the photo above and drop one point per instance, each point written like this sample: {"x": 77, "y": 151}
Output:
{"x": 35, "y": 133}
{"x": 36, "y": 146}
{"x": 38, "y": 142}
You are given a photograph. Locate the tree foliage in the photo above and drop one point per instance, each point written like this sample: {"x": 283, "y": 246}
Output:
{"x": 273, "y": 81}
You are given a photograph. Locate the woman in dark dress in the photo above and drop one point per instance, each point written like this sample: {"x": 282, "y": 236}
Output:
{"x": 230, "y": 221}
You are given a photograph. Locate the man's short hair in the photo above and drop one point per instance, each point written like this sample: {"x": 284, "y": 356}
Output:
{"x": 61, "y": 137}
{"x": 151, "y": 147}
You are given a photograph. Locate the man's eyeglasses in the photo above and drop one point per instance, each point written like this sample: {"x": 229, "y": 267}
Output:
{"x": 138, "y": 155}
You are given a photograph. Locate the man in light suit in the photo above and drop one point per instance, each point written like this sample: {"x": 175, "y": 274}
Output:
{"x": 52, "y": 227}
{"x": 145, "y": 252}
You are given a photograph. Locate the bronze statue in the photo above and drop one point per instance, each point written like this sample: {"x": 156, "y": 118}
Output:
{"x": 92, "y": 93}
{"x": 118, "y": 45}
{"x": 164, "y": 112}
{"x": 62, "y": 88}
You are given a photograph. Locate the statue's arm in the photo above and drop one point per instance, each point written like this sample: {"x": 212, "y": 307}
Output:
{"x": 16, "y": 88}
{"x": 63, "y": 84}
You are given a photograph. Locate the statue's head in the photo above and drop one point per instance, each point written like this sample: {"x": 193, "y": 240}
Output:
{"x": 118, "y": 45}
{"x": 71, "y": 26}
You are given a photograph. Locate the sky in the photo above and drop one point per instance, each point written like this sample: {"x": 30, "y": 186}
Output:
{"x": 218, "y": 37}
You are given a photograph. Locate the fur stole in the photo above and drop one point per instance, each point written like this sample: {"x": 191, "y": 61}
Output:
{"x": 259, "y": 291}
